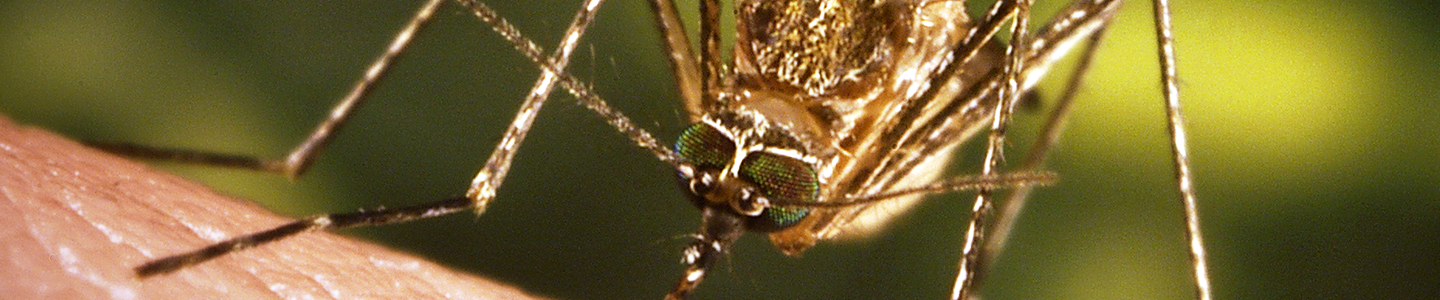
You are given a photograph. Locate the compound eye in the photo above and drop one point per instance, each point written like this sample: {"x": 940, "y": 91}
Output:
{"x": 784, "y": 178}
{"x": 705, "y": 147}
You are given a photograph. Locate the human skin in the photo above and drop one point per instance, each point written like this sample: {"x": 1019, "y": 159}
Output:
{"x": 75, "y": 221}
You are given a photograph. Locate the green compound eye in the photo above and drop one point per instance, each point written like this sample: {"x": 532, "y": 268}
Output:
{"x": 781, "y": 178}
{"x": 705, "y": 147}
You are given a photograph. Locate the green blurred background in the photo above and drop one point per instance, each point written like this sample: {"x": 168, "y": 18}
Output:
{"x": 1312, "y": 132}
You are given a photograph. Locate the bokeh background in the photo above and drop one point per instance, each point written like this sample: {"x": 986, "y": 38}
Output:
{"x": 1313, "y": 135}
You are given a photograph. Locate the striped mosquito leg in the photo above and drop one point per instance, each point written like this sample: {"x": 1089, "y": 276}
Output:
{"x": 587, "y": 98}
{"x": 710, "y": 69}
{"x": 1165, "y": 44}
{"x": 332, "y": 221}
{"x": 304, "y": 154}
{"x": 979, "y": 213}
{"x": 1009, "y": 210}
{"x": 483, "y": 187}
{"x": 677, "y": 50}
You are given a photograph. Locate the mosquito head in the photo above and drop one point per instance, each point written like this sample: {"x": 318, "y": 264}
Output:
{"x": 740, "y": 171}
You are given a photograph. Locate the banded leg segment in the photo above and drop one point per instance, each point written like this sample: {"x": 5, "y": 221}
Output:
{"x": 488, "y": 180}
{"x": 678, "y": 53}
{"x": 304, "y": 154}
{"x": 1165, "y": 44}
{"x": 980, "y": 211}
{"x": 331, "y": 221}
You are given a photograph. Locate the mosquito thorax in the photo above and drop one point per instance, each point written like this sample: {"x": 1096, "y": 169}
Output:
{"x": 743, "y": 169}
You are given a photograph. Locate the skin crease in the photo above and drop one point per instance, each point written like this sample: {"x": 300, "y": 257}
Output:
{"x": 76, "y": 221}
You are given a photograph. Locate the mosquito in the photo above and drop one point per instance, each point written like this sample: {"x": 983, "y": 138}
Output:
{"x": 828, "y": 116}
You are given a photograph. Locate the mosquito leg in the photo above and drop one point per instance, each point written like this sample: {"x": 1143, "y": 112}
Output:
{"x": 979, "y": 213}
{"x": 332, "y": 221}
{"x": 710, "y": 51}
{"x": 482, "y": 188}
{"x": 388, "y": 216}
{"x": 909, "y": 136}
{"x": 971, "y": 45}
{"x": 1165, "y": 42}
{"x": 678, "y": 53}
{"x": 1009, "y": 210}
{"x": 1047, "y": 46}
{"x": 619, "y": 121}
{"x": 304, "y": 154}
